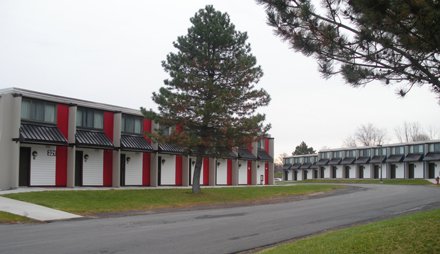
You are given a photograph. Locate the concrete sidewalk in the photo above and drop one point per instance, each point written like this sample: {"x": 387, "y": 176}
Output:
{"x": 33, "y": 211}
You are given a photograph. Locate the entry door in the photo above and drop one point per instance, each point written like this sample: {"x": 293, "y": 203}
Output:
{"x": 295, "y": 175}
{"x": 78, "y": 168}
{"x": 431, "y": 170}
{"x": 347, "y": 172}
{"x": 376, "y": 171}
{"x": 393, "y": 171}
{"x": 159, "y": 170}
{"x": 24, "y": 174}
{"x": 361, "y": 172}
{"x": 305, "y": 174}
{"x": 122, "y": 177}
{"x": 411, "y": 171}
{"x": 322, "y": 172}
{"x": 334, "y": 172}
{"x": 315, "y": 173}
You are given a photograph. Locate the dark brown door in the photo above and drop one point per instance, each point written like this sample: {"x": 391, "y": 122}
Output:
{"x": 24, "y": 174}
{"x": 347, "y": 172}
{"x": 159, "y": 170}
{"x": 376, "y": 171}
{"x": 431, "y": 170}
{"x": 393, "y": 171}
{"x": 361, "y": 172}
{"x": 411, "y": 171}
{"x": 122, "y": 177}
{"x": 78, "y": 168}
{"x": 322, "y": 172}
{"x": 334, "y": 172}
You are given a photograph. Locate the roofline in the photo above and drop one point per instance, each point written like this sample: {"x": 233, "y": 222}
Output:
{"x": 383, "y": 146}
{"x": 68, "y": 100}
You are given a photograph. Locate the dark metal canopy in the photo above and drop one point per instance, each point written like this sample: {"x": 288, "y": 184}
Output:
{"x": 306, "y": 166}
{"x": 432, "y": 157}
{"x": 264, "y": 156}
{"x": 413, "y": 157}
{"x": 296, "y": 166}
{"x": 334, "y": 161}
{"x": 348, "y": 160}
{"x": 394, "y": 158}
{"x": 378, "y": 159}
{"x": 362, "y": 160}
{"x": 287, "y": 166}
{"x": 41, "y": 134}
{"x": 322, "y": 162}
{"x": 170, "y": 149}
{"x": 244, "y": 153}
{"x": 89, "y": 138}
{"x": 135, "y": 143}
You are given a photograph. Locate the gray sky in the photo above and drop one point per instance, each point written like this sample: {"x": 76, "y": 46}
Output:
{"x": 111, "y": 52}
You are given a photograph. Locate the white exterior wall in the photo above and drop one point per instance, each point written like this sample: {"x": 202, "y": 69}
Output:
{"x": 326, "y": 172}
{"x": 93, "y": 168}
{"x": 222, "y": 171}
{"x": 436, "y": 170}
{"x": 299, "y": 175}
{"x": 400, "y": 171}
{"x": 242, "y": 172}
{"x": 168, "y": 170}
{"x": 352, "y": 171}
{"x": 133, "y": 168}
{"x": 192, "y": 167}
{"x": 43, "y": 166}
{"x": 260, "y": 172}
{"x": 289, "y": 175}
{"x": 418, "y": 170}
{"x": 339, "y": 171}
{"x": 384, "y": 170}
{"x": 367, "y": 171}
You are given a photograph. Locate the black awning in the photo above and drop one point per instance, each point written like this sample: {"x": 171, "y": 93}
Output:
{"x": 244, "y": 153}
{"x": 334, "y": 161}
{"x": 306, "y": 166}
{"x": 362, "y": 160}
{"x": 394, "y": 158}
{"x": 314, "y": 166}
{"x": 322, "y": 162}
{"x": 41, "y": 134}
{"x": 348, "y": 160}
{"x": 413, "y": 157}
{"x": 296, "y": 166}
{"x": 378, "y": 159}
{"x": 88, "y": 138}
{"x": 135, "y": 143}
{"x": 432, "y": 157}
{"x": 287, "y": 166}
{"x": 170, "y": 149}
{"x": 264, "y": 156}
{"x": 227, "y": 155}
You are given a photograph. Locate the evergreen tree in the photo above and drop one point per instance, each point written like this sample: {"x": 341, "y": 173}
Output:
{"x": 211, "y": 92}
{"x": 393, "y": 41}
{"x": 303, "y": 149}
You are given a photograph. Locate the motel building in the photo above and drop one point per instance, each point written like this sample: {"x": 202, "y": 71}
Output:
{"x": 50, "y": 140}
{"x": 419, "y": 160}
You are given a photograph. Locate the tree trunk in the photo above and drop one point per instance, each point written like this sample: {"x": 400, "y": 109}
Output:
{"x": 196, "y": 176}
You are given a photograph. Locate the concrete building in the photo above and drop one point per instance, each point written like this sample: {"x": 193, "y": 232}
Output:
{"x": 394, "y": 161}
{"x": 49, "y": 140}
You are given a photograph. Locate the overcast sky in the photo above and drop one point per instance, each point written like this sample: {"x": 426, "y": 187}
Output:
{"x": 111, "y": 52}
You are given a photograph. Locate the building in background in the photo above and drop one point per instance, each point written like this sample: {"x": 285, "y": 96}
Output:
{"x": 49, "y": 140}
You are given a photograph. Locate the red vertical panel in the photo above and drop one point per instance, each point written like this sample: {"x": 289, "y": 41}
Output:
{"x": 266, "y": 145}
{"x": 146, "y": 169}
{"x": 179, "y": 128}
{"x": 61, "y": 151}
{"x": 206, "y": 171}
{"x": 108, "y": 167}
{"x": 147, "y": 129}
{"x": 108, "y": 154}
{"x": 250, "y": 147}
{"x": 179, "y": 170}
{"x": 229, "y": 173}
{"x": 266, "y": 173}
{"x": 249, "y": 172}
{"x": 61, "y": 166}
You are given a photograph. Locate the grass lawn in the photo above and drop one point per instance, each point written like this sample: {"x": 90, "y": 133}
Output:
{"x": 374, "y": 181}
{"x": 414, "y": 233}
{"x": 107, "y": 201}
{"x": 12, "y": 218}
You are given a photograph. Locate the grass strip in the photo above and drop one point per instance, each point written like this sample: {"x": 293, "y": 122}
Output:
{"x": 88, "y": 202}
{"x": 415, "y": 233}
{"x": 371, "y": 181}
{"x": 9, "y": 218}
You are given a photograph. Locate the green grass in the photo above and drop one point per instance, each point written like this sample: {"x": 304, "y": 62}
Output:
{"x": 414, "y": 233}
{"x": 371, "y": 181}
{"x": 108, "y": 201}
{"x": 7, "y": 218}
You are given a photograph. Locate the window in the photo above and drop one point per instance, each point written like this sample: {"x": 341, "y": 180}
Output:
{"x": 38, "y": 111}
{"x": 398, "y": 150}
{"x": 416, "y": 149}
{"x": 364, "y": 153}
{"x": 324, "y": 155}
{"x": 89, "y": 118}
{"x": 337, "y": 154}
{"x": 313, "y": 159}
{"x": 349, "y": 153}
{"x": 434, "y": 147}
{"x": 380, "y": 151}
{"x": 131, "y": 124}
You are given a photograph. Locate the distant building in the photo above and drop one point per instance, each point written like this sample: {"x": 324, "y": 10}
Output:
{"x": 49, "y": 140}
{"x": 403, "y": 161}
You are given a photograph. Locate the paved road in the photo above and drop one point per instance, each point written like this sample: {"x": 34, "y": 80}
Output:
{"x": 216, "y": 231}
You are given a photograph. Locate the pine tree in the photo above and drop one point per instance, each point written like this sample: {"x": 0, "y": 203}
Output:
{"x": 303, "y": 149}
{"x": 210, "y": 93}
{"x": 392, "y": 41}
